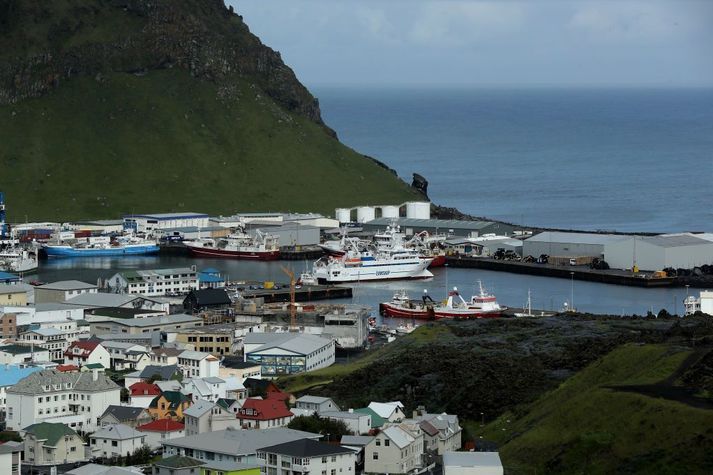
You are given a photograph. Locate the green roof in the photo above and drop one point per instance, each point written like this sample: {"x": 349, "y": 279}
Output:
{"x": 376, "y": 419}
{"x": 51, "y": 432}
{"x": 94, "y": 366}
{"x": 179, "y": 461}
{"x": 18, "y": 349}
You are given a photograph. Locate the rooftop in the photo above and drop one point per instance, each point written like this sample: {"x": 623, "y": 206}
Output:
{"x": 239, "y": 442}
{"x": 472, "y": 459}
{"x": 167, "y": 216}
{"x": 443, "y": 224}
{"x": 11, "y": 374}
{"x": 119, "y": 312}
{"x": 576, "y": 238}
{"x": 676, "y": 240}
{"x": 18, "y": 349}
{"x": 117, "y": 432}
{"x": 50, "y": 432}
{"x": 295, "y": 342}
{"x": 67, "y": 285}
{"x": 157, "y": 321}
{"x": 123, "y": 413}
{"x": 306, "y": 448}
{"x": 36, "y": 382}
{"x": 178, "y": 461}
{"x": 162, "y": 425}
{"x": 13, "y": 288}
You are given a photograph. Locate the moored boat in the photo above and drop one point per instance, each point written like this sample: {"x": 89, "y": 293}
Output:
{"x": 18, "y": 261}
{"x": 103, "y": 246}
{"x": 366, "y": 266}
{"x": 261, "y": 247}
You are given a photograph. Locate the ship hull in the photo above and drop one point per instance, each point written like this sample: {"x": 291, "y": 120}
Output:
{"x": 438, "y": 261}
{"x": 247, "y": 255}
{"x": 397, "y": 311}
{"x": 67, "y": 251}
{"x": 365, "y": 273}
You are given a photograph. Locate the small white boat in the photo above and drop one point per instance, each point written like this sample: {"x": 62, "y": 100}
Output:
{"x": 18, "y": 261}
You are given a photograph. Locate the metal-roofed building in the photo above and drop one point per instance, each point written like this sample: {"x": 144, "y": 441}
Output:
{"x": 149, "y": 222}
{"x": 566, "y": 244}
{"x": 288, "y": 353}
{"x": 162, "y": 323}
{"x": 449, "y": 227}
{"x": 469, "y": 463}
{"x": 155, "y": 282}
{"x": 62, "y": 290}
{"x": 682, "y": 250}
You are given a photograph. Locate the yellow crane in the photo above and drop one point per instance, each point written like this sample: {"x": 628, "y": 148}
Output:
{"x": 293, "y": 307}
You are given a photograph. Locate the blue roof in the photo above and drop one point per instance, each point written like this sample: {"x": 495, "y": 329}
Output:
{"x": 210, "y": 270}
{"x": 11, "y": 374}
{"x": 209, "y": 278}
{"x": 4, "y": 276}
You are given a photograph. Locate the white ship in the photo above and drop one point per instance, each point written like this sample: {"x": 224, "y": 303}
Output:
{"x": 17, "y": 261}
{"x": 356, "y": 266}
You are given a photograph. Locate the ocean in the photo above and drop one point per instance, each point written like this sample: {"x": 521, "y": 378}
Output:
{"x": 593, "y": 159}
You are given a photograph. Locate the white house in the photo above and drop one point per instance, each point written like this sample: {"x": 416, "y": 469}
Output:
{"x": 395, "y": 449}
{"x": 357, "y": 422}
{"x": 207, "y": 389}
{"x": 198, "y": 364}
{"x": 307, "y": 456}
{"x": 161, "y": 430}
{"x": 76, "y": 399}
{"x": 207, "y": 416}
{"x": 55, "y": 336}
{"x": 117, "y": 440}
{"x": 52, "y": 444}
{"x": 155, "y": 282}
{"x": 21, "y": 354}
{"x": 441, "y": 432}
{"x": 85, "y": 352}
{"x": 391, "y": 411}
{"x": 125, "y": 356}
{"x": 316, "y": 404}
{"x": 63, "y": 290}
{"x": 472, "y": 463}
{"x": 142, "y": 393}
{"x": 10, "y": 459}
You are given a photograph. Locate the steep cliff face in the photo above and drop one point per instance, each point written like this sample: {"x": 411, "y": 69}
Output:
{"x": 115, "y": 106}
{"x": 45, "y": 43}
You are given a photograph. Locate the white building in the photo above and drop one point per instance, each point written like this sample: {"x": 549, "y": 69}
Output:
{"x": 307, "y": 456}
{"x": 196, "y": 364}
{"x": 207, "y": 389}
{"x": 62, "y": 290}
{"x": 75, "y": 399}
{"x": 143, "y": 223}
{"x": 22, "y": 354}
{"x": 316, "y": 404}
{"x": 472, "y": 463}
{"x": 54, "y": 336}
{"x": 155, "y": 282}
{"x": 357, "y": 422}
{"x": 396, "y": 449}
{"x": 391, "y": 411}
{"x": 161, "y": 430}
{"x": 651, "y": 253}
{"x": 85, "y": 352}
{"x": 441, "y": 432}
{"x": 704, "y": 303}
{"x": 288, "y": 353}
{"x": 207, "y": 416}
{"x": 45, "y": 312}
{"x": 126, "y": 356}
{"x": 10, "y": 459}
{"x": 116, "y": 440}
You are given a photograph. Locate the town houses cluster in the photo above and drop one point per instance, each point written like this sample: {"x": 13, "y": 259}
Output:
{"x": 91, "y": 380}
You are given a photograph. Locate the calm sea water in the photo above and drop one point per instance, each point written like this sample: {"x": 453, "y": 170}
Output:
{"x": 614, "y": 159}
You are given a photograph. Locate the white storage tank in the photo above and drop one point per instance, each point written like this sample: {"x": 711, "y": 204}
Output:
{"x": 343, "y": 215}
{"x": 390, "y": 211}
{"x": 365, "y": 213}
{"x": 418, "y": 210}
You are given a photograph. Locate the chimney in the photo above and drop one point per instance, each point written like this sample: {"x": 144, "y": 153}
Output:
{"x": 95, "y": 374}
{"x": 351, "y": 410}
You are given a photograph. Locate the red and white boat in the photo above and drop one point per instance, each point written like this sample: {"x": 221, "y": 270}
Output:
{"x": 261, "y": 247}
{"x": 483, "y": 305}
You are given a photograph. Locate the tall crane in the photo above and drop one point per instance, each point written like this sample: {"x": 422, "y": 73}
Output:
{"x": 293, "y": 307}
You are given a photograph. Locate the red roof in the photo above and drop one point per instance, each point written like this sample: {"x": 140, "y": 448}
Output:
{"x": 65, "y": 368}
{"x": 86, "y": 346}
{"x": 161, "y": 425}
{"x": 142, "y": 388}
{"x": 278, "y": 395}
{"x": 263, "y": 410}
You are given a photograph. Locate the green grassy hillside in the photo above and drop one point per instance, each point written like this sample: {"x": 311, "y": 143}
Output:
{"x": 111, "y": 107}
{"x": 585, "y": 426}
{"x": 165, "y": 142}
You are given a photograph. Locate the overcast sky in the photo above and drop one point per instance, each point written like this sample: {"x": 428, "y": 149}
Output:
{"x": 501, "y": 42}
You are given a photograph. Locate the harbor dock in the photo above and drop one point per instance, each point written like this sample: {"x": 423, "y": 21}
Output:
{"x": 306, "y": 293}
{"x": 608, "y": 276}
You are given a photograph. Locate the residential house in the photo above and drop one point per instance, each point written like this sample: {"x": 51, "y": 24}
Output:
{"x": 232, "y": 444}
{"x": 54, "y": 336}
{"x": 137, "y": 326}
{"x": 76, "y": 399}
{"x": 9, "y": 376}
{"x": 356, "y": 422}
{"x": 395, "y": 449}
{"x": 211, "y": 278}
{"x": 169, "y": 405}
{"x": 377, "y": 422}
{"x": 316, "y": 404}
{"x": 263, "y": 414}
{"x": 216, "y": 467}
{"x": 110, "y": 300}
{"x": 208, "y": 389}
{"x": 260, "y": 387}
{"x": 142, "y": 393}
{"x": 155, "y": 282}
{"x": 116, "y": 440}
{"x": 153, "y": 373}
{"x": 441, "y": 432}
{"x": 62, "y": 291}
{"x": 85, "y": 352}
{"x": 198, "y": 364}
{"x": 391, "y": 411}
{"x": 161, "y": 430}
{"x": 164, "y": 356}
{"x": 126, "y": 415}
{"x": 307, "y": 456}
{"x": 288, "y": 353}
{"x": 472, "y": 463}
{"x": 10, "y": 459}
{"x": 207, "y": 416}
{"x": 52, "y": 444}
{"x": 234, "y": 389}
{"x": 357, "y": 443}
{"x": 177, "y": 465}
{"x": 207, "y": 299}
{"x": 232, "y": 367}
{"x": 125, "y": 356}
{"x": 22, "y": 354}
{"x": 230, "y": 405}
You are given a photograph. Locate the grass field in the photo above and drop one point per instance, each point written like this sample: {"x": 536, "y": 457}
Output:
{"x": 165, "y": 142}
{"x": 583, "y": 427}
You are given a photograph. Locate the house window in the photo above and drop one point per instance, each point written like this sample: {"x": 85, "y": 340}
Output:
{"x": 375, "y": 456}
{"x": 387, "y": 442}
{"x": 378, "y": 442}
